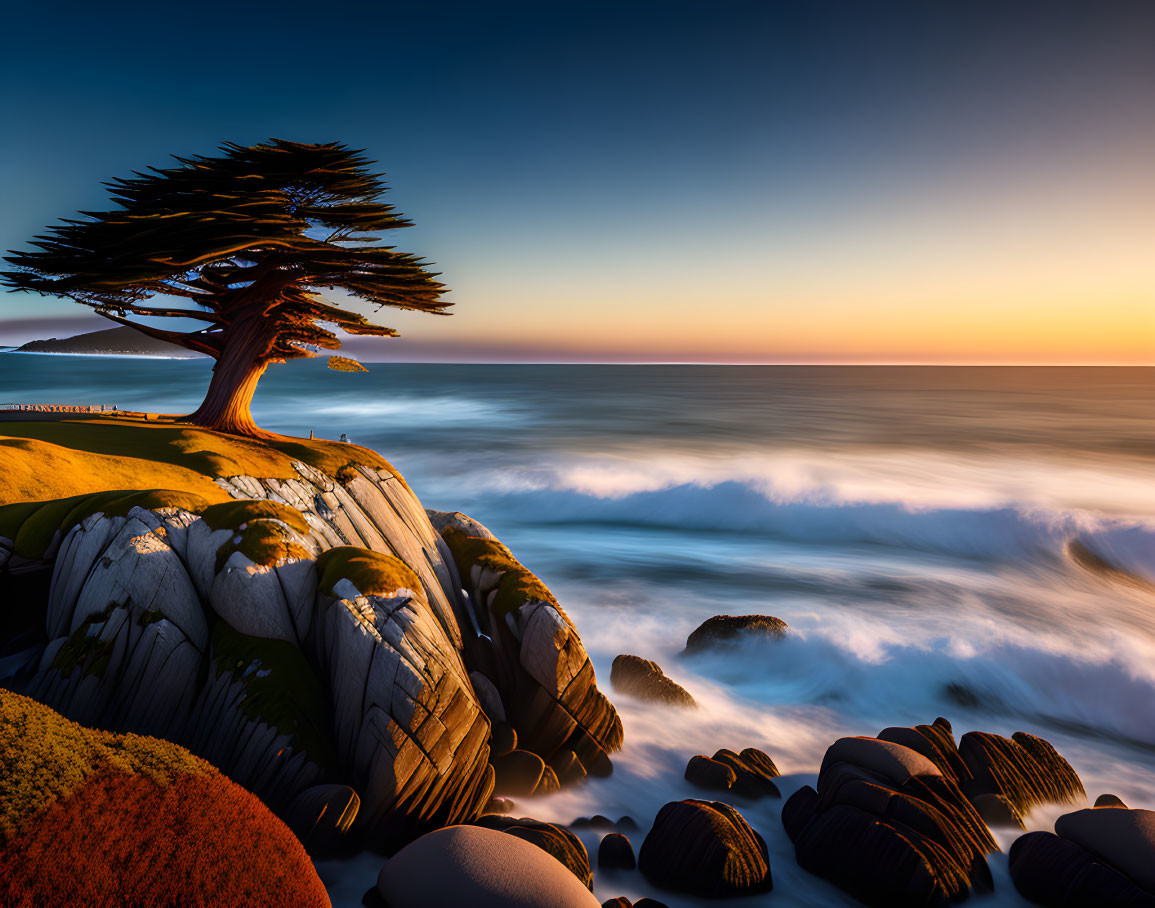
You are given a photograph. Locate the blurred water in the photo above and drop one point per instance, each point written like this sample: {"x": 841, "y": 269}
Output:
{"x": 916, "y": 527}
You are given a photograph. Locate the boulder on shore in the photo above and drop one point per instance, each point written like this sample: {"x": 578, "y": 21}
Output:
{"x": 705, "y": 848}
{"x": 887, "y": 826}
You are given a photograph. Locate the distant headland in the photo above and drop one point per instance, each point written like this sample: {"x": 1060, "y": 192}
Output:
{"x": 111, "y": 342}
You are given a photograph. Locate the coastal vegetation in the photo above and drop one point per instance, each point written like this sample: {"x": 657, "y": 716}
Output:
{"x": 242, "y": 242}
{"x": 89, "y": 818}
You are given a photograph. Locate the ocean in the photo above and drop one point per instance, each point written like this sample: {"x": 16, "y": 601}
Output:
{"x": 975, "y": 543}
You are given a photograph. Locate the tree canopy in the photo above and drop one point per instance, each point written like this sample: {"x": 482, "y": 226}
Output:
{"x": 244, "y": 242}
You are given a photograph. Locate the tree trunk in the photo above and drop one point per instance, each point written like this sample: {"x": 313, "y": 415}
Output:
{"x": 235, "y": 376}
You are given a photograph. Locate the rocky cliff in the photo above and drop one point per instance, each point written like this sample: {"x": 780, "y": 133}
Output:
{"x": 317, "y": 638}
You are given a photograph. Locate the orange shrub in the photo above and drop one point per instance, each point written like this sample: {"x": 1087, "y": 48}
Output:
{"x": 93, "y": 818}
{"x": 124, "y": 839}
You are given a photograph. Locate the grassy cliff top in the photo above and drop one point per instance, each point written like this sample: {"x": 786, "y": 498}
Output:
{"x": 62, "y": 455}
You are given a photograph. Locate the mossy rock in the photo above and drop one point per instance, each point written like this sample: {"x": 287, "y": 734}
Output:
{"x": 281, "y": 689}
{"x": 231, "y": 515}
{"x": 517, "y": 585}
{"x": 373, "y": 573}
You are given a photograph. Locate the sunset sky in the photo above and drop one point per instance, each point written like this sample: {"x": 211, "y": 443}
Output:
{"x": 955, "y": 181}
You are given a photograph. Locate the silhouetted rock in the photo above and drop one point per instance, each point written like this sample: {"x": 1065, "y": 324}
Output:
{"x": 734, "y": 628}
{"x": 705, "y": 848}
{"x": 620, "y": 902}
{"x": 645, "y": 680}
{"x": 997, "y": 811}
{"x": 1119, "y": 836}
{"x": 887, "y": 826}
{"x": 1052, "y": 871}
{"x": 754, "y": 772}
{"x": 616, "y": 853}
{"x": 597, "y": 821}
{"x": 482, "y": 868}
{"x": 1109, "y": 800}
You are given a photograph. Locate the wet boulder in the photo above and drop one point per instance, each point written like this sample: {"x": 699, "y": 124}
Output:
{"x": 1050, "y": 870}
{"x": 1024, "y": 769}
{"x": 1122, "y": 837}
{"x": 550, "y": 838}
{"x": 616, "y": 853}
{"x": 705, "y": 848}
{"x": 722, "y": 629}
{"x": 749, "y": 774}
{"x": 888, "y": 827}
{"x": 645, "y": 680}
{"x": 482, "y": 868}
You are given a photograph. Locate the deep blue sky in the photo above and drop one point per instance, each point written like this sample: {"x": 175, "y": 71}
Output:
{"x": 661, "y": 179}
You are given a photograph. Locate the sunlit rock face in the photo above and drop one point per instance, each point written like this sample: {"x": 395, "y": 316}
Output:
{"x": 317, "y": 632}
{"x": 530, "y": 653}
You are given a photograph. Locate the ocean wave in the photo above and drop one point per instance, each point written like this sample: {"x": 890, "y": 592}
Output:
{"x": 1000, "y": 533}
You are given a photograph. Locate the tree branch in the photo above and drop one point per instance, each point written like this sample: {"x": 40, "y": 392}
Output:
{"x": 188, "y": 341}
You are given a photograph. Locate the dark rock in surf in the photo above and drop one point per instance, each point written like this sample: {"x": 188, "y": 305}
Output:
{"x": 749, "y": 774}
{"x": 997, "y": 812}
{"x": 705, "y": 848}
{"x": 734, "y": 628}
{"x": 1024, "y": 769}
{"x": 1109, "y": 800}
{"x": 1121, "y": 837}
{"x": 1055, "y": 872}
{"x": 754, "y": 772}
{"x": 554, "y": 840}
{"x": 645, "y": 680}
{"x": 597, "y": 821}
{"x": 709, "y": 774}
{"x": 889, "y": 827}
{"x": 616, "y": 853}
